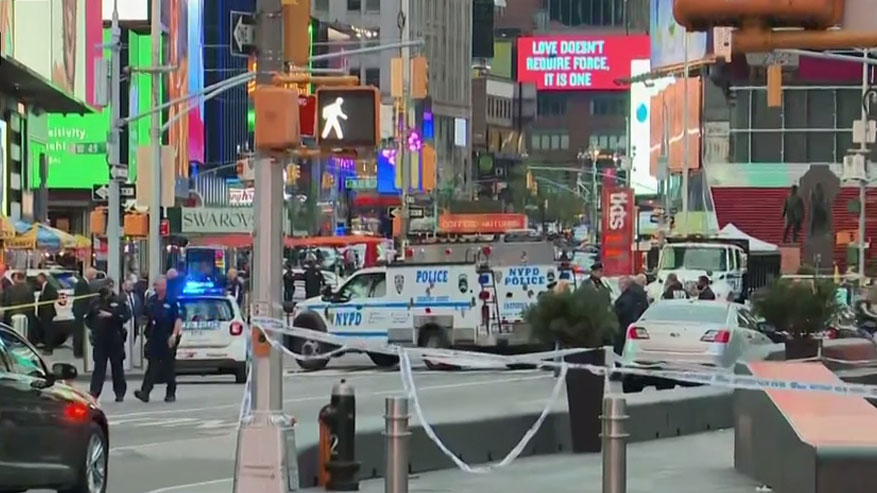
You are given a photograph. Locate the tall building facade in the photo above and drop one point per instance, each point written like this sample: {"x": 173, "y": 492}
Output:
{"x": 446, "y": 28}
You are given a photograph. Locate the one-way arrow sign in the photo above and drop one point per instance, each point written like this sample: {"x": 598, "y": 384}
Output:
{"x": 101, "y": 193}
{"x": 243, "y": 33}
{"x": 413, "y": 212}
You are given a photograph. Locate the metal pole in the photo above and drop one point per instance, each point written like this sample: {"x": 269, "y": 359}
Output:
{"x": 595, "y": 198}
{"x": 404, "y": 157}
{"x": 864, "y": 183}
{"x": 685, "y": 163}
{"x": 614, "y": 445}
{"x": 396, "y": 448}
{"x": 114, "y": 206}
{"x": 154, "y": 242}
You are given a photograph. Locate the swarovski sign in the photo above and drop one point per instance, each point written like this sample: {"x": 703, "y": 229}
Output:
{"x": 217, "y": 220}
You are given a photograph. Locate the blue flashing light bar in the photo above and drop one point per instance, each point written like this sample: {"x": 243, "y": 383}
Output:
{"x": 202, "y": 288}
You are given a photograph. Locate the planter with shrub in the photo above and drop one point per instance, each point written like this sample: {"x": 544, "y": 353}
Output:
{"x": 799, "y": 308}
{"x": 578, "y": 319}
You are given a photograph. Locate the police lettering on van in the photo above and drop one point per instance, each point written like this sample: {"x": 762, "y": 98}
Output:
{"x": 431, "y": 276}
{"x": 524, "y": 276}
{"x": 348, "y": 319}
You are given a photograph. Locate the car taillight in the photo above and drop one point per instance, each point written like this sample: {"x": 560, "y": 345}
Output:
{"x": 485, "y": 315}
{"x": 832, "y": 333}
{"x": 76, "y": 411}
{"x": 236, "y": 328}
{"x": 484, "y": 295}
{"x": 637, "y": 333}
{"x": 718, "y": 336}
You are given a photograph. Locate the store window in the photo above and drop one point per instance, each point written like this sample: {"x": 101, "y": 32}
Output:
{"x": 354, "y": 5}
{"x": 609, "y": 105}
{"x": 548, "y": 104}
{"x": 373, "y": 6}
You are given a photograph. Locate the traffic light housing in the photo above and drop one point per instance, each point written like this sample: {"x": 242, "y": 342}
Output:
{"x": 293, "y": 174}
{"x": 277, "y": 123}
{"x": 419, "y": 77}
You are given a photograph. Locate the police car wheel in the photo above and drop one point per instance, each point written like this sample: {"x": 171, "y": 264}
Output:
{"x": 384, "y": 360}
{"x": 240, "y": 374}
{"x": 307, "y": 347}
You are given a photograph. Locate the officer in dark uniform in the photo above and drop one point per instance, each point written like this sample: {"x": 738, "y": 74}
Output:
{"x": 162, "y": 337}
{"x": 106, "y": 318}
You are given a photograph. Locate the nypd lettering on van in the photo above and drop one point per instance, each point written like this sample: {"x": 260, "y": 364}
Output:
{"x": 525, "y": 276}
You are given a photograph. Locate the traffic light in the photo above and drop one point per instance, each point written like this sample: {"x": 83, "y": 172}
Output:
{"x": 419, "y": 77}
{"x": 251, "y": 119}
{"x": 297, "y": 32}
{"x": 348, "y": 117}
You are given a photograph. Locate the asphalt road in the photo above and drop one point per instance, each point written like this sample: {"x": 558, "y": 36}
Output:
{"x": 159, "y": 447}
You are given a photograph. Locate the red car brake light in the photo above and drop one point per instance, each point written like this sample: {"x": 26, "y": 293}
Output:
{"x": 637, "y": 333}
{"x": 236, "y": 328}
{"x": 76, "y": 412}
{"x": 717, "y": 336}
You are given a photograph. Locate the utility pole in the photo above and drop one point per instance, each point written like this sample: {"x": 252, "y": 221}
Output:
{"x": 266, "y": 459}
{"x": 406, "y": 124}
{"x": 154, "y": 242}
{"x": 117, "y": 169}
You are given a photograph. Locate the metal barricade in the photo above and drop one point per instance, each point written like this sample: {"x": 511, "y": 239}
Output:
{"x": 396, "y": 449}
{"x": 614, "y": 445}
{"x": 19, "y": 324}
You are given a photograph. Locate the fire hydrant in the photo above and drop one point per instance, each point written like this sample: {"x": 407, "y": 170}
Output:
{"x": 338, "y": 465}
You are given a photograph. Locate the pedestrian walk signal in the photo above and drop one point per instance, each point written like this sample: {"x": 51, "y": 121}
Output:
{"x": 348, "y": 117}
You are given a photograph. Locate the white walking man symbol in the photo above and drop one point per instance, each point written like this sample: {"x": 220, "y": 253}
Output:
{"x": 331, "y": 114}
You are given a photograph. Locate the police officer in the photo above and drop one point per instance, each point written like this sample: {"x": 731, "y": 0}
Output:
{"x": 163, "y": 333}
{"x": 106, "y": 318}
{"x": 313, "y": 278}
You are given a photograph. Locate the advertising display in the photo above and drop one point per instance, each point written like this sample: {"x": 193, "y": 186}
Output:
{"x": 6, "y": 38}
{"x": 185, "y": 53}
{"x": 640, "y": 127}
{"x": 481, "y": 223}
{"x": 668, "y": 38}
{"x": 668, "y": 122}
{"x": 617, "y": 232}
{"x": 579, "y": 62}
{"x": 69, "y": 168}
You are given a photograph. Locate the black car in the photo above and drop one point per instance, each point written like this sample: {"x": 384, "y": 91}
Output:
{"x": 52, "y": 435}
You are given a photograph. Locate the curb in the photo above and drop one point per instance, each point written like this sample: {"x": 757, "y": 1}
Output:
{"x": 664, "y": 414}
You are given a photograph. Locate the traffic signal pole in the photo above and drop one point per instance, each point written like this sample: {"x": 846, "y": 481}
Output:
{"x": 114, "y": 230}
{"x": 154, "y": 243}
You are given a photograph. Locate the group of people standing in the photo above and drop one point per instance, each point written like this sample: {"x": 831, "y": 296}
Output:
{"x": 18, "y": 298}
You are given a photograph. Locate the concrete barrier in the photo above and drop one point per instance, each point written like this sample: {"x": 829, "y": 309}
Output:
{"x": 804, "y": 442}
{"x": 484, "y": 439}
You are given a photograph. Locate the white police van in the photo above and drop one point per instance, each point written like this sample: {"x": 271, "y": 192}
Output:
{"x": 215, "y": 337}
{"x": 470, "y": 304}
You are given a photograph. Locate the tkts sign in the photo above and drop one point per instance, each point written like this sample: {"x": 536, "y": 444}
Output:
{"x": 618, "y": 218}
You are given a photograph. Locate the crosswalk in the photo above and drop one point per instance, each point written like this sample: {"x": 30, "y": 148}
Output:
{"x": 165, "y": 422}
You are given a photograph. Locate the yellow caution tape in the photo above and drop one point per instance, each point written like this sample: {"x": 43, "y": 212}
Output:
{"x": 38, "y": 303}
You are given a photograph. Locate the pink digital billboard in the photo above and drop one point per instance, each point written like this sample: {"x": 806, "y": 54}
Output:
{"x": 579, "y": 62}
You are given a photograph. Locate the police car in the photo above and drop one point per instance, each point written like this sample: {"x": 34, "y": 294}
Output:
{"x": 215, "y": 337}
{"x": 445, "y": 305}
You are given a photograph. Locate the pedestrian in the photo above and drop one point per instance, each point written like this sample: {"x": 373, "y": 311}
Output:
{"x": 82, "y": 300}
{"x": 703, "y": 289}
{"x": 793, "y": 213}
{"x": 19, "y": 297}
{"x": 107, "y": 318}
{"x": 135, "y": 306}
{"x": 288, "y": 282}
{"x": 313, "y": 278}
{"x": 673, "y": 289}
{"x": 235, "y": 287}
{"x": 595, "y": 280}
{"x": 163, "y": 334}
{"x": 46, "y": 312}
{"x": 629, "y": 306}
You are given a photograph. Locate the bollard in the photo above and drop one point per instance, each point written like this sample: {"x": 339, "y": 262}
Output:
{"x": 19, "y": 324}
{"x": 396, "y": 447}
{"x": 340, "y": 422}
{"x": 614, "y": 445}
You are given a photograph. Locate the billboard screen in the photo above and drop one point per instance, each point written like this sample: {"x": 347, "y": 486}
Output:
{"x": 618, "y": 236}
{"x": 67, "y": 168}
{"x": 578, "y": 62}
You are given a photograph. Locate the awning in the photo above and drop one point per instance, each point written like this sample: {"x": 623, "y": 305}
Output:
{"x": 33, "y": 89}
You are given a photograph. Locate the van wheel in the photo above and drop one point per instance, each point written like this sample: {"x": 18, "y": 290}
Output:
{"x": 306, "y": 347}
{"x": 240, "y": 374}
{"x": 384, "y": 360}
{"x": 435, "y": 338}
{"x": 92, "y": 474}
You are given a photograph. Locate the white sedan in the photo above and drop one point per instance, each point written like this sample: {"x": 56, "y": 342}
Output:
{"x": 686, "y": 333}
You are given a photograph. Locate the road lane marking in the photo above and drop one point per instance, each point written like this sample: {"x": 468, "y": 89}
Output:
{"x": 324, "y": 397}
{"x": 191, "y": 485}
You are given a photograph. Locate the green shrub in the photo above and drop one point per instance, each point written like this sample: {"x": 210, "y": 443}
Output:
{"x": 581, "y": 318}
{"x": 797, "y": 307}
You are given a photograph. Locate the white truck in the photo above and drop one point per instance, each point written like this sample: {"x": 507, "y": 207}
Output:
{"x": 723, "y": 261}
{"x": 470, "y": 303}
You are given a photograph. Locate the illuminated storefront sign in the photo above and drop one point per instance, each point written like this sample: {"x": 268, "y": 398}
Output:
{"x": 579, "y": 62}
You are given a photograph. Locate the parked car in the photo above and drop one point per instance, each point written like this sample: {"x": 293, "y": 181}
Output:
{"x": 684, "y": 332}
{"x": 52, "y": 435}
{"x": 64, "y": 281}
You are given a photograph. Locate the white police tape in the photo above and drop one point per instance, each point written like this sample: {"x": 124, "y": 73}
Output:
{"x": 704, "y": 376}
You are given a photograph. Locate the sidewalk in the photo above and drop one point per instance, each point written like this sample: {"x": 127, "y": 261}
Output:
{"x": 693, "y": 464}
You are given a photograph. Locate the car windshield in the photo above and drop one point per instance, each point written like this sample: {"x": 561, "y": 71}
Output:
{"x": 694, "y": 258}
{"x": 206, "y": 310}
{"x": 687, "y": 312}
